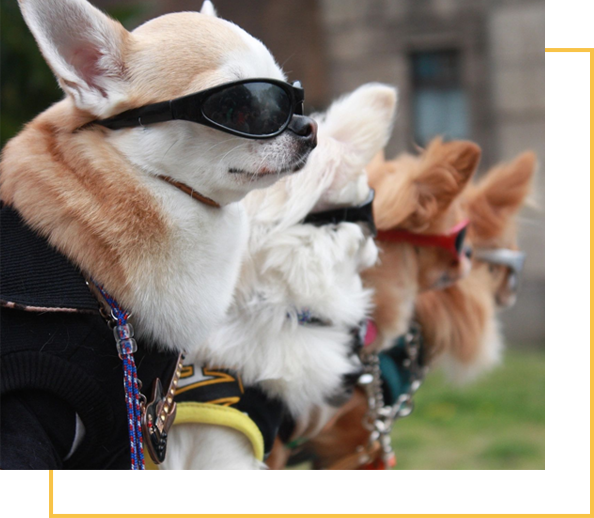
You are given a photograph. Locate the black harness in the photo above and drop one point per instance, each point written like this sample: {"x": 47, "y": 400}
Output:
{"x": 361, "y": 214}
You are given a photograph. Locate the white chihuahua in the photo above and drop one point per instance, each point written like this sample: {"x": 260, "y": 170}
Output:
{"x": 300, "y": 295}
{"x": 136, "y": 177}
{"x": 169, "y": 259}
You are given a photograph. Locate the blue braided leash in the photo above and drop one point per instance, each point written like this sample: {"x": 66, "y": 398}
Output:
{"x": 124, "y": 335}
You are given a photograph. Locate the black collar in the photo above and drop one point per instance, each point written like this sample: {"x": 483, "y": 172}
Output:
{"x": 362, "y": 213}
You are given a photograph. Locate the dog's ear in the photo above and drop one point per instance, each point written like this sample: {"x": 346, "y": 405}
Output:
{"x": 500, "y": 194}
{"x": 363, "y": 121}
{"x": 376, "y": 165}
{"x": 505, "y": 188}
{"x": 208, "y": 9}
{"x": 444, "y": 171}
{"x": 84, "y": 48}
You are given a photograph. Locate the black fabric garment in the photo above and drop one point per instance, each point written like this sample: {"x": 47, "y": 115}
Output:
{"x": 59, "y": 359}
{"x": 38, "y": 430}
{"x": 34, "y": 274}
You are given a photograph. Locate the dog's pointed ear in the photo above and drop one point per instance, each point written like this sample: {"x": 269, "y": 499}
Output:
{"x": 208, "y": 9}
{"x": 442, "y": 175}
{"x": 362, "y": 120}
{"x": 505, "y": 188}
{"x": 85, "y": 49}
{"x": 461, "y": 156}
{"x": 500, "y": 194}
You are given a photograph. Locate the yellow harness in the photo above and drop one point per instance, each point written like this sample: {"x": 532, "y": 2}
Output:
{"x": 217, "y": 397}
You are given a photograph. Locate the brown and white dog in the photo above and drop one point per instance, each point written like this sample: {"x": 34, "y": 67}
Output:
{"x": 460, "y": 323}
{"x": 152, "y": 212}
{"x": 96, "y": 194}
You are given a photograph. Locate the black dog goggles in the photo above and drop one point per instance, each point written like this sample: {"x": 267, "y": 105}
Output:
{"x": 360, "y": 214}
{"x": 250, "y": 108}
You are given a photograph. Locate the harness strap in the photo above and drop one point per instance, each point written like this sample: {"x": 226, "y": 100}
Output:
{"x": 208, "y": 413}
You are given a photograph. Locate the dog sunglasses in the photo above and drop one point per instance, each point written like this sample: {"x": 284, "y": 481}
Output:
{"x": 250, "y": 108}
{"x": 360, "y": 214}
{"x": 452, "y": 241}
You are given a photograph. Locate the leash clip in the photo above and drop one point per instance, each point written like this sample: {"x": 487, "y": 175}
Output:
{"x": 159, "y": 414}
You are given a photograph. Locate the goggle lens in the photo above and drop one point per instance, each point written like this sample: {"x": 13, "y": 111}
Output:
{"x": 251, "y": 108}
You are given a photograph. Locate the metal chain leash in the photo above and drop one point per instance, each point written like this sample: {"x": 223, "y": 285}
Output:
{"x": 380, "y": 418}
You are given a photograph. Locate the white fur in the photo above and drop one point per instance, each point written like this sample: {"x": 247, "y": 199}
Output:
{"x": 290, "y": 267}
{"x": 208, "y": 9}
{"x": 209, "y": 447}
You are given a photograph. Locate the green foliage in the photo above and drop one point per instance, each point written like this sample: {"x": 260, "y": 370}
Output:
{"x": 27, "y": 85}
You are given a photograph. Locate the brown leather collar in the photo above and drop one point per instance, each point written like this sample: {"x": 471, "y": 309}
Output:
{"x": 189, "y": 191}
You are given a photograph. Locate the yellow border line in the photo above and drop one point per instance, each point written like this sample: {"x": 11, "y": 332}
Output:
{"x": 571, "y": 62}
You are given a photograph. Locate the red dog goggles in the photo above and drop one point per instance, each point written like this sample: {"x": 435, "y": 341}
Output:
{"x": 453, "y": 241}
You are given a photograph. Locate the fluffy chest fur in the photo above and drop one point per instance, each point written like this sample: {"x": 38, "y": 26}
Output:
{"x": 170, "y": 260}
{"x": 303, "y": 269}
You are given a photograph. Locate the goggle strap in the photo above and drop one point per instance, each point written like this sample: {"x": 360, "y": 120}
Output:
{"x": 151, "y": 114}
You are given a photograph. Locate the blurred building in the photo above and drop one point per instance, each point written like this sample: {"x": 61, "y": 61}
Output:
{"x": 464, "y": 68}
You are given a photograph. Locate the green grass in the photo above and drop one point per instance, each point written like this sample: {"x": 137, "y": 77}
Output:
{"x": 495, "y": 423}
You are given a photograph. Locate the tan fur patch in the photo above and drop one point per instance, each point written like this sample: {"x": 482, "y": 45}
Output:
{"x": 454, "y": 320}
{"x": 494, "y": 201}
{"x": 178, "y": 54}
{"x": 77, "y": 191}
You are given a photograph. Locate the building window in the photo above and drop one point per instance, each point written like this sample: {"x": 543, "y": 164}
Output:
{"x": 440, "y": 104}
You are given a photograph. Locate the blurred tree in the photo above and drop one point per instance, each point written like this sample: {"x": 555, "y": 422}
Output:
{"x": 27, "y": 85}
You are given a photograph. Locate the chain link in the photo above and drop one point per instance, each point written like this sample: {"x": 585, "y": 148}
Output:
{"x": 380, "y": 418}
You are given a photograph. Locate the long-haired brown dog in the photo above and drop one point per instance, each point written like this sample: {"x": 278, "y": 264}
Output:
{"x": 459, "y": 323}
{"x": 418, "y": 195}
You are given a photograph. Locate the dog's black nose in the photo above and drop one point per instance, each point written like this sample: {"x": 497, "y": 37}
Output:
{"x": 305, "y": 128}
